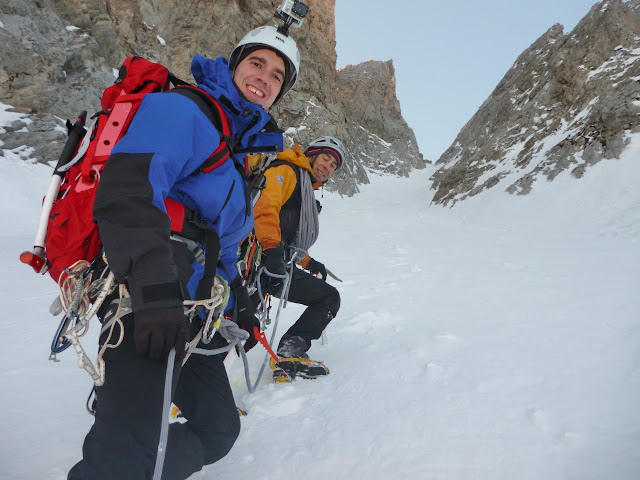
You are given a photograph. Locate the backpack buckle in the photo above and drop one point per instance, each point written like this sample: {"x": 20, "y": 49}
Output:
{"x": 85, "y": 183}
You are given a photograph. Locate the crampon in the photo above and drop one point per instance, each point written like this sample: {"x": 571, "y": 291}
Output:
{"x": 288, "y": 369}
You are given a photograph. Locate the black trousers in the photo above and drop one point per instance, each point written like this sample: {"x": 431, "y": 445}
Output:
{"x": 123, "y": 442}
{"x": 322, "y": 301}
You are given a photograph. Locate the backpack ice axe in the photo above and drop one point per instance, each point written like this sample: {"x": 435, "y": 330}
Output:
{"x": 36, "y": 258}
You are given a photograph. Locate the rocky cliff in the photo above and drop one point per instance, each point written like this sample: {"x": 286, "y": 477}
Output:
{"x": 57, "y": 56}
{"x": 569, "y": 101}
{"x": 375, "y": 124}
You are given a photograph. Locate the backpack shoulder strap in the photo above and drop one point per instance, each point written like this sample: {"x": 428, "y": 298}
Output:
{"x": 216, "y": 115}
{"x": 276, "y": 162}
{"x": 265, "y": 162}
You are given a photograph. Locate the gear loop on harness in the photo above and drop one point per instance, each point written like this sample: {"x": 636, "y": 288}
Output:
{"x": 214, "y": 304}
{"x": 214, "y": 321}
{"x": 77, "y": 291}
{"x": 97, "y": 371}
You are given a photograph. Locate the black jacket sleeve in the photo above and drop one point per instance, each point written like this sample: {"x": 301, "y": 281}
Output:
{"x": 135, "y": 233}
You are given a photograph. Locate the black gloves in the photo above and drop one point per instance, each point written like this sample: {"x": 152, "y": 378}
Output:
{"x": 316, "y": 267}
{"x": 244, "y": 314}
{"x": 273, "y": 260}
{"x": 248, "y": 323}
{"x": 158, "y": 330}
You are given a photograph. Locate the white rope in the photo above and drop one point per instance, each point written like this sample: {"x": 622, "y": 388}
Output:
{"x": 97, "y": 372}
{"x": 75, "y": 291}
{"x": 72, "y": 288}
{"x": 166, "y": 408}
{"x": 296, "y": 256}
{"x": 219, "y": 297}
{"x": 121, "y": 311}
{"x": 229, "y": 330}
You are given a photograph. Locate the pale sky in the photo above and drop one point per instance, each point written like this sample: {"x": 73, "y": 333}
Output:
{"x": 448, "y": 55}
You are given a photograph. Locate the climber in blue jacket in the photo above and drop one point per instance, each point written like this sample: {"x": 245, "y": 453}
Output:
{"x": 157, "y": 162}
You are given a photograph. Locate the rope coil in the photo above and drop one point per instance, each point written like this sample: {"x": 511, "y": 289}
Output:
{"x": 76, "y": 291}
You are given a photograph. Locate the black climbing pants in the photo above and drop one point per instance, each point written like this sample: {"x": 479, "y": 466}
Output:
{"x": 123, "y": 441}
{"x": 322, "y": 301}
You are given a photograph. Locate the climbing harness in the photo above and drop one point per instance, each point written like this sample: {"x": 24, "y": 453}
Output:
{"x": 248, "y": 265}
{"x": 296, "y": 255}
{"x": 80, "y": 298}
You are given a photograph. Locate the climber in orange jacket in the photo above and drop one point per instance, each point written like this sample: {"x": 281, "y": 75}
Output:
{"x": 286, "y": 217}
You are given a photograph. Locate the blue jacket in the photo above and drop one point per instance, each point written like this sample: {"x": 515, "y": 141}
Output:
{"x": 167, "y": 140}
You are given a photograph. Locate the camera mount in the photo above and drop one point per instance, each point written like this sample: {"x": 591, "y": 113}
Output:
{"x": 293, "y": 12}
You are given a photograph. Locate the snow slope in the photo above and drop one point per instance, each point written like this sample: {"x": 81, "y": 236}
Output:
{"x": 496, "y": 340}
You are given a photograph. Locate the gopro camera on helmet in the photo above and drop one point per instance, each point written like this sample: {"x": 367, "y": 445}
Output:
{"x": 293, "y": 12}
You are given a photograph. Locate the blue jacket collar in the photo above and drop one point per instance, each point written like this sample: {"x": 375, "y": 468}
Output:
{"x": 247, "y": 119}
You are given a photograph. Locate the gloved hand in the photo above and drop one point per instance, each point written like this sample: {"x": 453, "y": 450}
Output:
{"x": 245, "y": 315}
{"x": 248, "y": 323}
{"x": 273, "y": 260}
{"x": 315, "y": 268}
{"x": 158, "y": 330}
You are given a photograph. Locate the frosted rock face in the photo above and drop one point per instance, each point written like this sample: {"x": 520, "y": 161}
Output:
{"x": 57, "y": 57}
{"x": 376, "y": 127}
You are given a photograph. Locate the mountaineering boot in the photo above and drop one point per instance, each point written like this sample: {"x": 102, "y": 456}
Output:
{"x": 293, "y": 346}
{"x": 290, "y": 368}
{"x": 294, "y": 361}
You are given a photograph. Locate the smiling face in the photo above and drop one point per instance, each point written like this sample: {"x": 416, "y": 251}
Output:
{"x": 260, "y": 76}
{"x": 323, "y": 166}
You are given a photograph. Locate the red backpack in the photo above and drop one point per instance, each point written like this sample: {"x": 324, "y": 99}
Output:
{"x": 67, "y": 230}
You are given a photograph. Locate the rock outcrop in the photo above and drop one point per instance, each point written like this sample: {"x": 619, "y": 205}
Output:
{"x": 368, "y": 92}
{"x": 568, "y": 102}
{"x": 57, "y": 56}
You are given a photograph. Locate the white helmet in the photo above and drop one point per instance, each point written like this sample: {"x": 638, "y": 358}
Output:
{"x": 332, "y": 143}
{"x": 269, "y": 37}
